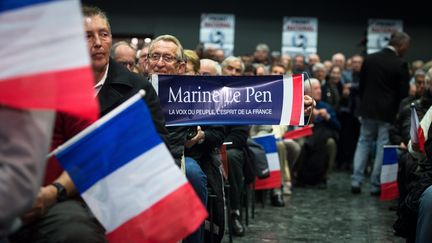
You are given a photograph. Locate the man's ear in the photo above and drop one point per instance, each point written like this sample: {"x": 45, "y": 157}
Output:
{"x": 181, "y": 67}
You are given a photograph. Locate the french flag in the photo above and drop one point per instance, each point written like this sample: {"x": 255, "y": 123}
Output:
{"x": 268, "y": 141}
{"x": 292, "y": 104}
{"x": 416, "y": 131}
{"x": 129, "y": 180}
{"x": 389, "y": 169}
{"x": 44, "y": 62}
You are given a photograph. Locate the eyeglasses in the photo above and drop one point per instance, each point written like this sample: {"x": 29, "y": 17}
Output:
{"x": 155, "y": 57}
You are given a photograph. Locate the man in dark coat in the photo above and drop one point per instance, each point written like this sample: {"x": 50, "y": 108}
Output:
{"x": 59, "y": 214}
{"x": 383, "y": 84}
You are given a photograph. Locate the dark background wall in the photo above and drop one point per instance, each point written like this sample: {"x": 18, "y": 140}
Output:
{"x": 341, "y": 24}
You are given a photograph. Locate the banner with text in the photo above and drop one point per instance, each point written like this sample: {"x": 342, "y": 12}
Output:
{"x": 229, "y": 100}
{"x": 299, "y": 36}
{"x": 217, "y": 31}
{"x": 379, "y": 32}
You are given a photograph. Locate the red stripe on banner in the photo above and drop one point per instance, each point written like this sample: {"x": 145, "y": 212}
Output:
{"x": 273, "y": 181}
{"x": 299, "y": 133}
{"x": 171, "y": 219}
{"x": 69, "y": 90}
{"x": 297, "y": 99}
{"x": 389, "y": 191}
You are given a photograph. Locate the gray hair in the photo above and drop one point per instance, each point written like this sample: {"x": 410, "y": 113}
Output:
{"x": 318, "y": 66}
{"x": 307, "y": 86}
{"x": 213, "y": 63}
{"x": 91, "y": 11}
{"x": 262, "y": 47}
{"x": 117, "y": 44}
{"x": 169, "y": 38}
{"x": 231, "y": 59}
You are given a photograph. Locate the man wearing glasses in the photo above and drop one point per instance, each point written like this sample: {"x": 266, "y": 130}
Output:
{"x": 166, "y": 57}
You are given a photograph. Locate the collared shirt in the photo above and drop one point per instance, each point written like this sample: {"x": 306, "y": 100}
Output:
{"x": 393, "y": 49}
{"x": 98, "y": 86}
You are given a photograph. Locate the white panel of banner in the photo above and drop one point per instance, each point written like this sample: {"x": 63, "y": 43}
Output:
{"x": 217, "y": 31}
{"x": 379, "y": 32}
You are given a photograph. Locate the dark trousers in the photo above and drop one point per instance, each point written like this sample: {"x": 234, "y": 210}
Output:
{"x": 235, "y": 175}
{"x": 67, "y": 222}
{"x": 348, "y": 136}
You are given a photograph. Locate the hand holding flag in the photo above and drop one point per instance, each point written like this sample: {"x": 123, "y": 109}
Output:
{"x": 129, "y": 180}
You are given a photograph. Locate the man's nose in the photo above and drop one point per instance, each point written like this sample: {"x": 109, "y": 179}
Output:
{"x": 97, "y": 41}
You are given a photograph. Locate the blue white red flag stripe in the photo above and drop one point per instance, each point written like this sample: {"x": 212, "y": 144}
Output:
{"x": 117, "y": 154}
{"x": 416, "y": 131}
{"x": 148, "y": 187}
{"x": 139, "y": 196}
{"x": 268, "y": 141}
{"x": 44, "y": 57}
{"x": 7, "y": 5}
{"x": 292, "y": 106}
{"x": 389, "y": 186}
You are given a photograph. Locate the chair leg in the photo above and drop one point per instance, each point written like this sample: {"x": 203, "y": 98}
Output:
{"x": 253, "y": 200}
{"x": 228, "y": 207}
{"x": 211, "y": 197}
{"x": 246, "y": 204}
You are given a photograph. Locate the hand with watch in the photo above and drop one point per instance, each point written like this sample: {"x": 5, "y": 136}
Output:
{"x": 47, "y": 196}
{"x": 61, "y": 192}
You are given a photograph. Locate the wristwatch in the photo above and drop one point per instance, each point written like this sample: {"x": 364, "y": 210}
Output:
{"x": 61, "y": 192}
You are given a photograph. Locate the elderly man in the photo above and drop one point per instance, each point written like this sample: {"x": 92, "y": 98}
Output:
{"x": 319, "y": 150}
{"x": 166, "y": 56}
{"x": 59, "y": 214}
{"x": 142, "y": 60}
{"x": 124, "y": 54}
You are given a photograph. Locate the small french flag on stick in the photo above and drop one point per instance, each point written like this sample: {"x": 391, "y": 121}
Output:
{"x": 268, "y": 142}
{"x": 129, "y": 180}
{"x": 389, "y": 169}
{"x": 416, "y": 131}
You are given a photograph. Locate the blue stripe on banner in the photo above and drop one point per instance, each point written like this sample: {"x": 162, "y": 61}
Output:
{"x": 268, "y": 142}
{"x": 390, "y": 156}
{"x": 6, "y": 5}
{"x": 110, "y": 146}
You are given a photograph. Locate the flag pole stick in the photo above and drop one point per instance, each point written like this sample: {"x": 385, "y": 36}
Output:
{"x": 98, "y": 123}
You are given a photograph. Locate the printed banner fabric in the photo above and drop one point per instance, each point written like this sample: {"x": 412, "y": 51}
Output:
{"x": 229, "y": 100}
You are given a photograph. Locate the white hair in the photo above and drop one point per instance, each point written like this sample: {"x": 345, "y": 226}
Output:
{"x": 308, "y": 86}
{"x": 209, "y": 62}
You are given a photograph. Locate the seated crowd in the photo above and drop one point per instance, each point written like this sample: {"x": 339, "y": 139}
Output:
{"x": 60, "y": 215}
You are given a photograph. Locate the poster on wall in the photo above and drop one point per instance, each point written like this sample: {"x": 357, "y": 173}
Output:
{"x": 379, "y": 32}
{"x": 217, "y": 31}
{"x": 299, "y": 35}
